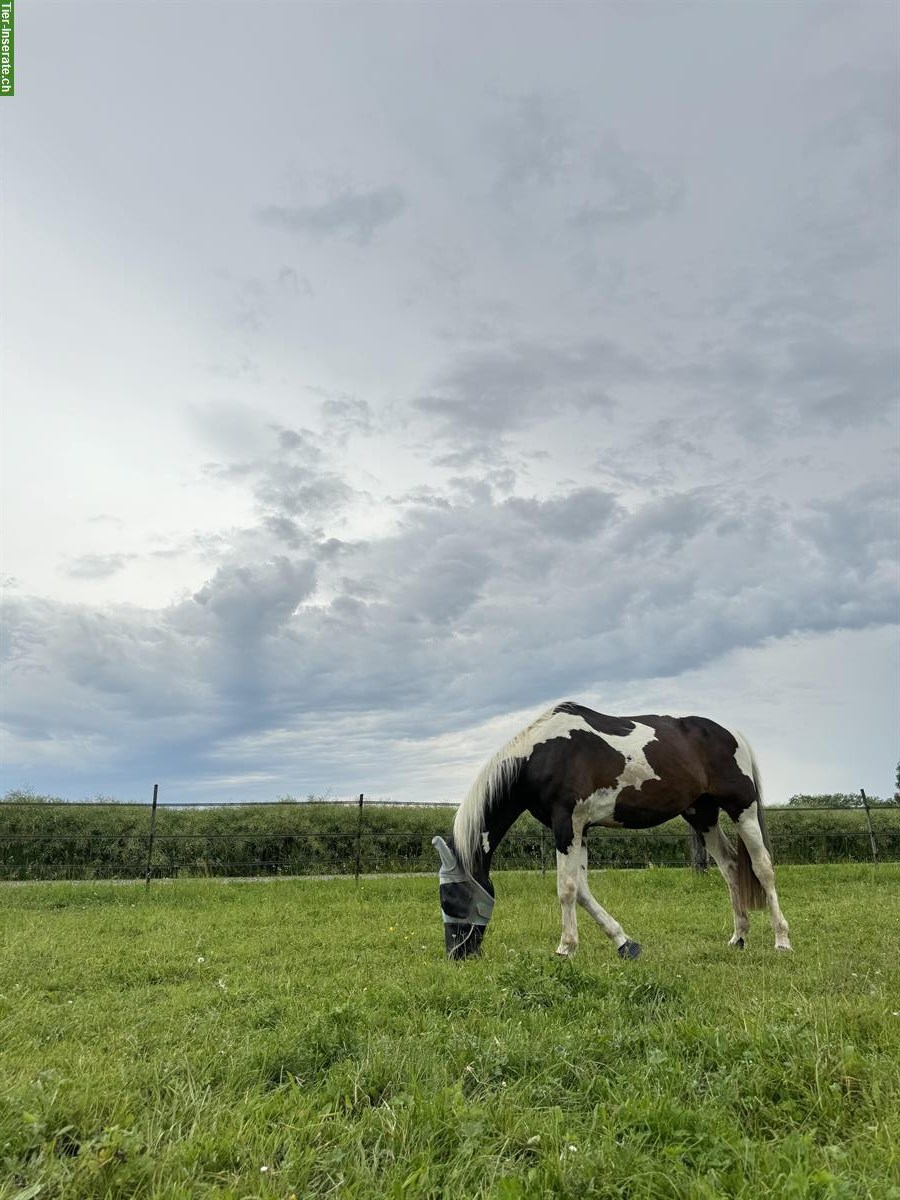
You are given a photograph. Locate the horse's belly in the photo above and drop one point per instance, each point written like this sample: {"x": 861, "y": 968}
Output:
{"x": 599, "y": 808}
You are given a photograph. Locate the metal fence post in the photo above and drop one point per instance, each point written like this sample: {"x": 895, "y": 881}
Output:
{"x": 359, "y": 836}
{"x": 152, "y": 835}
{"x": 869, "y": 823}
{"x": 543, "y": 859}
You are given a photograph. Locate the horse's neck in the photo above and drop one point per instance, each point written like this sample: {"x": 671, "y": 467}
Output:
{"x": 497, "y": 825}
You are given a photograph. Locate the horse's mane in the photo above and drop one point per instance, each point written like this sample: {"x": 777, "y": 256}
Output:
{"x": 490, "y": 786}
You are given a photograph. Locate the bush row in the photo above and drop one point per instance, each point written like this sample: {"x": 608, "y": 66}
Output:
{"x": 41, "y": 839}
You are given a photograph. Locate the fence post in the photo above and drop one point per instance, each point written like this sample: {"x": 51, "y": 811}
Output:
{"x": 543, "y": 859}
{"x": 359, "y": 836}
{"x": 152, "y": 835}
{"x": 869, "y": 823}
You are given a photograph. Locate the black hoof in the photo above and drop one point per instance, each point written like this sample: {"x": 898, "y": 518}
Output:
{"x": 629, "y": 950}
{"x": 739, "y": 944}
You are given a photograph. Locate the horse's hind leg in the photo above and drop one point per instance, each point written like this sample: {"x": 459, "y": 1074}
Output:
{"x": 705, "y": 819}
{"x": 610, "y": 926}
{"x": 754, "y": 839}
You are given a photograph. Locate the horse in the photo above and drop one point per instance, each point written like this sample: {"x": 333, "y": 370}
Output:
{"x": 573, "y": 768}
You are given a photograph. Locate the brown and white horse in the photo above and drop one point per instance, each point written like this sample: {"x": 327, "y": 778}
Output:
{"x": 573, "y": 768}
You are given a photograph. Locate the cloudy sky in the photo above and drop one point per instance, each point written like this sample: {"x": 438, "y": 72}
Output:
{"x": 377, "y": 374}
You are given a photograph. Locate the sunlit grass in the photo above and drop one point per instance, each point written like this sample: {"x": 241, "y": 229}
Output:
{"x": 307, "y": 1038}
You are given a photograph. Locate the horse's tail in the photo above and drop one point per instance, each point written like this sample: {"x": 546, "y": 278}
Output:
{"x": 750, "y": 890}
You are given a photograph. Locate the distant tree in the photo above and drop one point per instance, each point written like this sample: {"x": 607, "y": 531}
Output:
{"x": 836, "y": 800}
{"x": 897, "y": 785}
{"x": 27, "y": 796}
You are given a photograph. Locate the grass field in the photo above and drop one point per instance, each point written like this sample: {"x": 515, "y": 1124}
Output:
{"x": 302, "y": 1038}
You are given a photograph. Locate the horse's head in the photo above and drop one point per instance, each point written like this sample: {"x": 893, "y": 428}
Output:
{"x": 466, "y": 905}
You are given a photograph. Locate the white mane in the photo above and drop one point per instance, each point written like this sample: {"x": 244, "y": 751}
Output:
{"x": 492, "y": 780}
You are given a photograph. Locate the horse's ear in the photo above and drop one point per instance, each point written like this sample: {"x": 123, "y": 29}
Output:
{"x": 448, "y": 858}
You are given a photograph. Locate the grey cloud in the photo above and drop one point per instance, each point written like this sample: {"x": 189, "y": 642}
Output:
{"x": 289, "y": 279}
{"x": 448, "y": 583}
{"x": 252, "y": 307}
{"x": 493, "y": 392}
{"x": 665, "y": 525}
{"x": 294, "y": 490}
{"x": 530, "y": 144}
{"x": 332, "y": 548}
{"x": 355, "y": 216}
{"x": 98, "y": 566}
{"x": 345, "y": 415}
{"x": 774, "y": 379}
{"x": 250, "y": 600}
{"x": 839, "y": 383}
{"x": 621, "y": 191}
{"x": 293, "y": 485}
{"x": 286, "y": 531}
{"x": 858, "y": 529}
{"x": 581, "y": 515}
{"x": 300, "y": 441}
{"x": 865, "y": 127}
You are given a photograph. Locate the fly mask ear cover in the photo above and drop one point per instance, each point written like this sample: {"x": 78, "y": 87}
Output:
{"x": 466, "y": 906}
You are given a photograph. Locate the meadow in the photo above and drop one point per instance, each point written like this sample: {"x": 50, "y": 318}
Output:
{"x": 307, "y": 1038}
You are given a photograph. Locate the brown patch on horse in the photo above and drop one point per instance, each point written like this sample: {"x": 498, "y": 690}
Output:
{"x": 682, "y": 777}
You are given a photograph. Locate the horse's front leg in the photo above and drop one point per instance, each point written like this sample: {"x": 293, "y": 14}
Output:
{"x": 567, "y": 890}
{"x": 610, "y": 926}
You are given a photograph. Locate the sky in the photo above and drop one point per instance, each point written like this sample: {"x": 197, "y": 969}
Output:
{"x": 376, "y": 375}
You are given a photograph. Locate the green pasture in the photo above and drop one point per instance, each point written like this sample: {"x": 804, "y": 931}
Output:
{"x": 306, "y": 1039}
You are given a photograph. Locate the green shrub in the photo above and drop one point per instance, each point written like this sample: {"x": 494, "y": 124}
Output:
{"x": 44, "y": 838}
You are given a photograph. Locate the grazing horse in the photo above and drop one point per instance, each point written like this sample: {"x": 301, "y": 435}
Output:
{"x": 573, "y": 768}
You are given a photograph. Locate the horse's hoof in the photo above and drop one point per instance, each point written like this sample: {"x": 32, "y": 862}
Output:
{"x": 566, "y": 951}
{"x": 629, "y": 949}
{"x": 738, "y": 943}
{"x": 788, "y": 949}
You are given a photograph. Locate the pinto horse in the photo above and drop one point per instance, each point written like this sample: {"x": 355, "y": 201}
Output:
{"x": 572, "y": 768}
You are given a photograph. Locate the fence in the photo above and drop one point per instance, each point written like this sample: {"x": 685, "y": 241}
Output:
{"x": 107, "y": 840}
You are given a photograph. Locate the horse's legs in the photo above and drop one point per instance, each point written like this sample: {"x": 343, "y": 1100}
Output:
{"x": 607, "y": 923}
{"x": 703, "y": 816}
{"x": 724, "y": 856}
{"x": 752, "y": 836}
{"x": 567, "y": 891}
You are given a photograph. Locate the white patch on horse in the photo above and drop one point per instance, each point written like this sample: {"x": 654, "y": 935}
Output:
{"x": 747, "y": 764}
{"x": 598, "y": 806}
{"x": 485, "y": 841}
{"x": 743, "y": 756}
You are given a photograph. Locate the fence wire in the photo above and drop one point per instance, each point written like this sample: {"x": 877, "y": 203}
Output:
{"x": 108, "y": 840}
